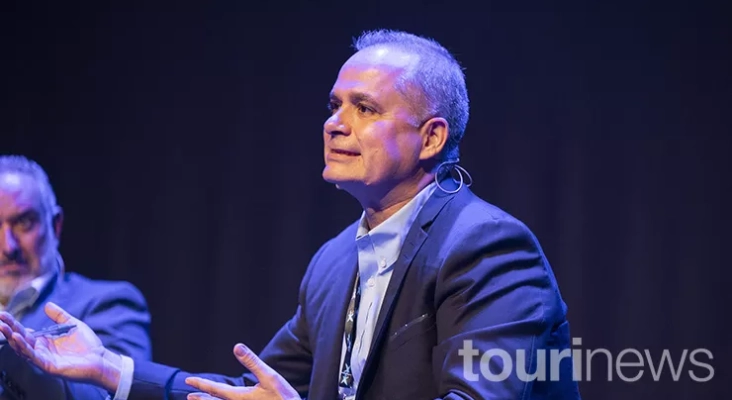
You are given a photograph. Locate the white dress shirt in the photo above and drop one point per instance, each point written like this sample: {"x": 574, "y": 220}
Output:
{"x": 378, "y": 249}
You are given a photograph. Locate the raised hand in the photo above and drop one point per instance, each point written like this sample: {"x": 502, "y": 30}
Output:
{"x": 271, "y": 386}
{"x": 78, "y": 355}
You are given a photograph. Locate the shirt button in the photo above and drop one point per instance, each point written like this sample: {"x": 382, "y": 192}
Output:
{"x": 370, "y": 282}
{"x": 382, "y": 262}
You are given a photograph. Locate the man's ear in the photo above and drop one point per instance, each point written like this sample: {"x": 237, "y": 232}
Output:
{"x": 434, "y": 137}
{"x": 58, "y": 222}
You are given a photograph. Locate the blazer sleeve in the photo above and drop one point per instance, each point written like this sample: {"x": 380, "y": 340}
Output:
{"x": 120, "y": 317}
{"x": 289, "y": 353}
{"x": 495, "y": 292}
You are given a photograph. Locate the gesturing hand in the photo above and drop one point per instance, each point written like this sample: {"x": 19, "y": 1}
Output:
{"x": 78, "y": 355}
{"x": 271, "y": 386}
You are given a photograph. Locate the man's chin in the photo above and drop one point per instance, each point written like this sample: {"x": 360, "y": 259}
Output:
{"x": 8, "y": 286}
{"x": 353, "y": 185}
{"x": 340, "y": 184}
{"x": 334, "y": 178}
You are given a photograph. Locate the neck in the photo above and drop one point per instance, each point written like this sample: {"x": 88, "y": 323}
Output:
{"x": 386, "y": 205}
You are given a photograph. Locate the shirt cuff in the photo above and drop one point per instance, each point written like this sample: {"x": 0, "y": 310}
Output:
{"x": 125, "y": 379}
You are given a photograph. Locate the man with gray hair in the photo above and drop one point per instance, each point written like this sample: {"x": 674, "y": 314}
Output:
{"x": 401, "y": 303}
{"x": 32, "y": 273}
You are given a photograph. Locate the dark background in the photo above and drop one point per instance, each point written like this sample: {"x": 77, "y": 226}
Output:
{"x": 185, "y": 147}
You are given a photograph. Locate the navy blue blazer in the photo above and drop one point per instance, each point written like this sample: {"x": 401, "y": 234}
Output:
{"x": 116, "y": 311}
{"x": 467, "y": 271}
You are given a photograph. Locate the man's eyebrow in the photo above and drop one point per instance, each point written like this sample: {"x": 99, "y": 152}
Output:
{"x": 26, "y": 213}
{"x": 355, "y": 98}
{"x": 361, "y": 97}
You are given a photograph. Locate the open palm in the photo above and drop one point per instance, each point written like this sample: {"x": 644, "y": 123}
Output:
{"x": 77, "y": 355}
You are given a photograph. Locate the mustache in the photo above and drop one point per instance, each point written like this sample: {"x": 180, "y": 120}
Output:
{"x": 12, "y": 259}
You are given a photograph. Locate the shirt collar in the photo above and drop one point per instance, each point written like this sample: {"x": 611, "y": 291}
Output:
{"x": 40, "y": 282}
{"x": 388, "y": 237}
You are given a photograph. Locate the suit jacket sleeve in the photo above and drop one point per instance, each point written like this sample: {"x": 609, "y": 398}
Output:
{"x": 120, "y": 317}
{"x": 494, "y": 291}
{"x": 289, "y": 353}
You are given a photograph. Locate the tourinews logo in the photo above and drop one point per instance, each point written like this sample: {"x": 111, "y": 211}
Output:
{"x": 629, "y": 365}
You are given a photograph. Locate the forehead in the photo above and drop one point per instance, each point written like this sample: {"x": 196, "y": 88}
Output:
{"x": 18, "y": 192}
{"x": 374, "y": 71}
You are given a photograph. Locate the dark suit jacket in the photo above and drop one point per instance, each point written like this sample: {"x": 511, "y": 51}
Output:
{"x": 467, "y": 271}
{"x": 116, "y": 311}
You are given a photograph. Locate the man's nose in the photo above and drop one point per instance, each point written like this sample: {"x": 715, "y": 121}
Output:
{"x": 336, "y": 125}
{"x": 8, "y": 242}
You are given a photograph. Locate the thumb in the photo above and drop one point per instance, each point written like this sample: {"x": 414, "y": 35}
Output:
{"x": 58, "y": 314}
{"x": 264, "y": 373}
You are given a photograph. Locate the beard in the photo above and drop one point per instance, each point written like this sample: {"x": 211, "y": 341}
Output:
{"x": 9, "y": 285}
{"x": 12, "y": 284}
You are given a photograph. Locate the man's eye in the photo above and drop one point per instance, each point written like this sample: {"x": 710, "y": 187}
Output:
{"x": 24, "y": 224}
{"x": 333, "y": 106}
{"x": 364, "y": 110}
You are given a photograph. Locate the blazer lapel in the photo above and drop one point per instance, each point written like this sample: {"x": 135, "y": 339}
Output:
{"x": 413, "y": 242}
{"x": 332, "y": 330}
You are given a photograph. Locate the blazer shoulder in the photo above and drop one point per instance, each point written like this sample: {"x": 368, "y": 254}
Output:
{"x": 102, "y": 289}
{"x": 472, "y": 224}
{"x": 471, "y": 210}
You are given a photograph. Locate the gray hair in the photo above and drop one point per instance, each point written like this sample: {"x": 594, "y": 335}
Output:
{"x": 437, "y": 74}
{"x": 22, "y": 165}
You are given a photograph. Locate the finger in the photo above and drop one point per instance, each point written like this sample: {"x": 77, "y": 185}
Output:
{"x": 218, "y": 389}
{"x": 58, "y": 314}
{"x": 19, "y": 344}
{"x": 5, "y": 329}
{"x": 41, "y": 356}
{"x": 8, "y": 333}
{"x": 201, "y": 396}
{"x": 15, "y": 326}
{"x": 264, "y": 373}
{"x": 6, "y": 317}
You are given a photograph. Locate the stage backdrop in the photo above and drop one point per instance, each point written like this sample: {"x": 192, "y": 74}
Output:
{"x": 185, "y": 147}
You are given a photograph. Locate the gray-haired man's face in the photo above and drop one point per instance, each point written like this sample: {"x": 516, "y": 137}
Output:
{"x": 28, "y": 240}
